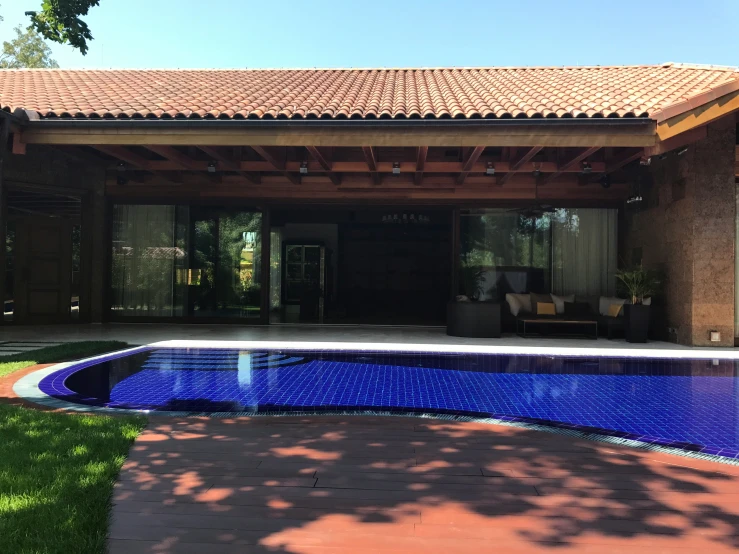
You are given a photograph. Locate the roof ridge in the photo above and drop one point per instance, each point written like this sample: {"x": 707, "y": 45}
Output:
{"x": 427, "y": 68}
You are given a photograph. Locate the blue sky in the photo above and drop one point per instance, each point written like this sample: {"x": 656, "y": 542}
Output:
{"x": 413, "y": 33}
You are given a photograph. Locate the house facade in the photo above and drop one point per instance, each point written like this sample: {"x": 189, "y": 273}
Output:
{"x": 365, "y": 196}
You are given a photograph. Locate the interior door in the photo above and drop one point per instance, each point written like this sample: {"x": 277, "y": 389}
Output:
{"x": 43, "y": 275}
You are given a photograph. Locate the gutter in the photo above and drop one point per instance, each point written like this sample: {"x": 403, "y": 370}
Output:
{"x": 331, "y": 123}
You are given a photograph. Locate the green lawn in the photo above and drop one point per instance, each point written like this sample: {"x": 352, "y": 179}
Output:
{"x": 57, "y": 470}
{"x": 61, "y": 353}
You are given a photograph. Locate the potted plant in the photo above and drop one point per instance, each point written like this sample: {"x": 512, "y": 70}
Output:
{"x": 640, "y": 284}
{"x": 467, "y": 315}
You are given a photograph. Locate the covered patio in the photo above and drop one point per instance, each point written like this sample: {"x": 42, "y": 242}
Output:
{"x": 283, "y": 204}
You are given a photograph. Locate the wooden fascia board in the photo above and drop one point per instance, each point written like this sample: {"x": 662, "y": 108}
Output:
{"x": 696, "y": 117}
{"x": 639, "y": 135}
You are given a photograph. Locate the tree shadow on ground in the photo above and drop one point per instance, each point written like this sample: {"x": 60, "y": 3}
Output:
{"x": 372, "y": 484}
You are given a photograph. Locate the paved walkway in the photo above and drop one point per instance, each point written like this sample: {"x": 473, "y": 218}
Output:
{"x": 397, "y": 485}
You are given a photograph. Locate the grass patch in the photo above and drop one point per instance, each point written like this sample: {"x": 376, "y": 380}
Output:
{"x": 56, "y": 478}
{"x": 57, "y": 469}
{"x": 54, "y": 354}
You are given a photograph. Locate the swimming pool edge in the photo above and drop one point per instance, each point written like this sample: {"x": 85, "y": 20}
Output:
{"x": 27, "y": 388}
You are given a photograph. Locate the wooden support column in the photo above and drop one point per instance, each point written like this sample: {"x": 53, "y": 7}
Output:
{"x": 4, "y": 132}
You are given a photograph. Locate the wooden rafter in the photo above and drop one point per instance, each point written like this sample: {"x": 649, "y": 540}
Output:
{"x": 420, "y": 164}
{"x": 469, "y": 163}
{"x": 516, "y": 166}
{"x": 175, "y": 156}
{"x": 228, "y": 164}
{"x": 572, "y": 163}
{"x": 623, "y": 160}
{"x": 371, "y": 159}
{"x": 277, "y": 160}
{"x": 124, "y": 154}
{"x": 319, "y": 156}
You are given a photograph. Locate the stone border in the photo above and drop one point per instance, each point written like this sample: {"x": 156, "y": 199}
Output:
{"x": 27, "y": 388}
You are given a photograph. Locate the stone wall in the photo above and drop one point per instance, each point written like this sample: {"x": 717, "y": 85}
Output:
{"x": 52, "y": 168}
{"x": 686, "y": 228}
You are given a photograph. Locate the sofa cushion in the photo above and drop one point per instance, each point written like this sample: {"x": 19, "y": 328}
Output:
{"x": 614, "y": 310}
{"x": 546, "y": 308}
{"x": 518, "y": 303}
{"x": 559, "y": 302}
{"x": 605, "y": 302}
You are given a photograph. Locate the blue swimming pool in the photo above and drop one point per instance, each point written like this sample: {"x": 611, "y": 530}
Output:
{"x": 690, "y": 404}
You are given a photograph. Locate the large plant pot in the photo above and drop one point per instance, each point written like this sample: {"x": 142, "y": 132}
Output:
{"x": 473, "y": 319}
{"x": 636, "y": 322}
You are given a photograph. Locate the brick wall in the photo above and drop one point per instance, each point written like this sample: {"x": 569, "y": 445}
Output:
{"x": 686, "y": 228}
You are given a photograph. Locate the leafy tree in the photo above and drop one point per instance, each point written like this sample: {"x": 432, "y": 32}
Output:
{"x": 27, "y": 49}
{"x": 59, "y": 21}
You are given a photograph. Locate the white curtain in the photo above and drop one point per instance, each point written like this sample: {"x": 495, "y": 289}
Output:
{"x": 146, "y": 258}
{"x": 584, "y": 251}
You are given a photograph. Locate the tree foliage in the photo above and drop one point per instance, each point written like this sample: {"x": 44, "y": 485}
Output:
{"x": 27, "y": 49}
{"x": 59, "y": 21}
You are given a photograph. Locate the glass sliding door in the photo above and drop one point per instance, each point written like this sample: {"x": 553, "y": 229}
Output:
{"x": 182, "y": 261}
{"x": 225, "y": 279}
{"x": 149, "y": 254}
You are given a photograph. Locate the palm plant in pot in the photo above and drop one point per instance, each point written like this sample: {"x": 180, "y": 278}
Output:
{"x": 640, "y": 285}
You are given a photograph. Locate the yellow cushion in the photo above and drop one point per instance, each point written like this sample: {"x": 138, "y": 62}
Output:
{"x": 614, "y": 309}
{"x": 545, "y": 308}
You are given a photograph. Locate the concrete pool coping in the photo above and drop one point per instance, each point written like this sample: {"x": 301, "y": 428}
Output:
{"x": 27, "y": 388}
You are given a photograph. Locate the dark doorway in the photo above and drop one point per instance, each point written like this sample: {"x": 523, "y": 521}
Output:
{"x": 377, "y": 266}
{"x": 43, "y": 256}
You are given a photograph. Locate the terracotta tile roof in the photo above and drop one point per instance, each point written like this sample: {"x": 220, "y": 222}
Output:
{"x": 551, "y": 92}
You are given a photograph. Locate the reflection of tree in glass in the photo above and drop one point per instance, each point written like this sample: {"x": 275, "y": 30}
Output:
{"x": 238, "y": 272}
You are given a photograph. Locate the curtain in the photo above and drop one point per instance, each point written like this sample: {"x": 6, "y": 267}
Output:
{"x": 148, "y": 261}
{"x": 584, "y": 251}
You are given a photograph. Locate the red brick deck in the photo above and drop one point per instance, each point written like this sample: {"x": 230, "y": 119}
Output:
{"x": 391, "y": 485}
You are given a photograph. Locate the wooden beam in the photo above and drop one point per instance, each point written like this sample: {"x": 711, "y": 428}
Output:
{"x": 277, "y": 160}
{"x": 325, "y": 164}
{"x": 420, "y": 164}
{"x": 228, "y": 164}
{"x": 701, "y": 115}
{"x": 19, "y": 147}
{"x": 623, "y": 160}
{"x": 640, "y": 134}
{"x": 573, "y": 163}
{"x": 678, "y": 141}
{"x": 175, "y": 156}
{"x": 371, "y": 159}
{"x": 527, "y": 157}
{"x": 469, "y": 163}
{"x": 123, "y": 154}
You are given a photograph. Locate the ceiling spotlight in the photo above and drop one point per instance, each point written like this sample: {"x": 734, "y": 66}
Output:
{"x": 490, "y": 170}
{"x": 682, "y": 151}
{"x": 304, "y": 168}
{"x": 121, "y": 178}
{"x": 536, "y": 171}
{"x": 645, "y": 160}
{"x": 586, "y": 168}
{"x": 396, "y": 168}
{"x": 605, "y": 181}
{"x": 211, "y": 167}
